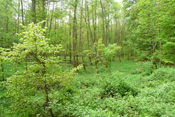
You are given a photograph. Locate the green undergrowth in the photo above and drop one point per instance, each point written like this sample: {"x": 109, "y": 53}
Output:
{"x": 130, "y": 89}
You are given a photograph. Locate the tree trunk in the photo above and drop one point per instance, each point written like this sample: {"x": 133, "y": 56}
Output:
{"x": 88, "y": 22}
{"x": 18, "y": 14}
{"x": 22, "y": 11}
{"x": 2, "y": 70}
{"x": 102, "y": 8}
{"x": 81, "y": 25}
{"x": 26, "y": 65}
{"x": 51, "y": 19}
{"x": 70, "y": 27}
{"x": 84, "y": 65}
{"x": 46, "y": 90}
{"x": 160, "y": 43}
{"x": 77, "y": 60}
{"x": 47, "y": 98}
{"x": 44, "y": 12}
{"x": 75, "y": 34}
{"x": 34, "y": 11}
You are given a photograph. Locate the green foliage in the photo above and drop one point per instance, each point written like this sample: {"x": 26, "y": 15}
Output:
{"x": 111, "y": 51}
{"x": 145, "y": 68}
{"x": 140, "y": 101}
{"x": 164, "y": 74}
{"x": 150, "y": 27}
{"x": 8, "y": 27}
{"x": 116, "y": 85}
{"x": 168, "y": 51}
{"x": 38, "y": 84}
{"x": 107, "y": 52}
{"x": 2, "y": 50}
{"x": 127, "y": 94}
{"x": 29, "y": 88}
{"x": 88, "y": 53}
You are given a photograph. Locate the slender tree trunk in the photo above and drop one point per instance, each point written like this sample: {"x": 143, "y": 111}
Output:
{"x": 70, "y": 47}
{"x": 107, "y": 30}
{"x": 44, "y": 12}
{"x": 88, "y": 23}
{"x": 81, "y": 24}
{"x": 95, "y": 23}
{"x": 77, "y": 60}
{"x": 88, "y": 42}
{"x": 2, "y": 70}
{"x": 26, "y": 61}
{"x": 50, "y": 28}
{"x": 81, "y": 20}
{"x": 159, "y": 35}
{"x": 84, "y": 65}
{"x": 48, "y": 14}
{"x": 45, "y": 82}
{"x": 94, "y": 15}
{"x": 18, "y": 14}
{"x": 75, "y": 34}
{"x": 117, "y": 39}
{"x": 102, "y": 8}
{"x": 7, "y": 25}
{"x": 47, "y": 98}
{"x": 111, "y": 33}
{"x": 34, "y": 11}
{"x": 22, "y": 11}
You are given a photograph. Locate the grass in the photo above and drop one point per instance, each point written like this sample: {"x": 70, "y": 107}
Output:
{"x": 130, "y": 89}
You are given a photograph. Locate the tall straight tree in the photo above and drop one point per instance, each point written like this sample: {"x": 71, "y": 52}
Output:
{"x": 103, "y": 20}
{"x": 22, "y": 11}
{"x": 34, "y": 11}
{"x": 74, "y": 42}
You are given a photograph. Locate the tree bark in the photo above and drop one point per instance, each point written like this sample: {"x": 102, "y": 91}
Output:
{"x": 75, "y": 34}
{"x": 70, "y": 46}
{"x": 22, "y": 11}
{"x": 44, "y": 12}
{"x": 2, "y": 70}
{"x": 102, "y": 8}
{"x": 34, "y": 11}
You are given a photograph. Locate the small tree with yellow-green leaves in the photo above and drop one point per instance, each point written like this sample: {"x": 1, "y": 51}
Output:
{"x": 30, "y": 89}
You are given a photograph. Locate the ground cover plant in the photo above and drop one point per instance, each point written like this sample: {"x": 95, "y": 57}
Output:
{"x": 123, "y": 92}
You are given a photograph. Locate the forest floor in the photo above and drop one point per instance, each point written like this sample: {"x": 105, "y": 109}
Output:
{"x": 129, "y": 89}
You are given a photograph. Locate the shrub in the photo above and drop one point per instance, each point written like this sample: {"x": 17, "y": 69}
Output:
{"x": 146, "y": 68}
{"x": 167, "y": 92}
{"x": 164, "y": 74}
{"x": 117, "y": 85}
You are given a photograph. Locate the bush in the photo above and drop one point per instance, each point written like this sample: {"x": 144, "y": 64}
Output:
{"x": 164, "y": 74}
{"x": 116, "y": 85}
{"x": 167, "y": 92}
{"x": 146, "y": 68}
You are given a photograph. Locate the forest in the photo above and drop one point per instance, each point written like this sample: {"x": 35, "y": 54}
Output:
{"x": 87, "y": 58}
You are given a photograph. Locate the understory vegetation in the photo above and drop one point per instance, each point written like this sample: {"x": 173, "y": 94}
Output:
{"x": 130, "y": 90}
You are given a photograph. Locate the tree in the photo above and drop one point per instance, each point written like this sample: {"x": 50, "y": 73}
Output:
{"x": 42, "y": 75}
{"x": 34, "y": 11}
{"x": 74, "y": 42}
{"x": 2, "y": 50}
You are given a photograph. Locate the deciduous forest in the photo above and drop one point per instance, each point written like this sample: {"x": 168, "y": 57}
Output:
{"x": 87, "y": 58}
